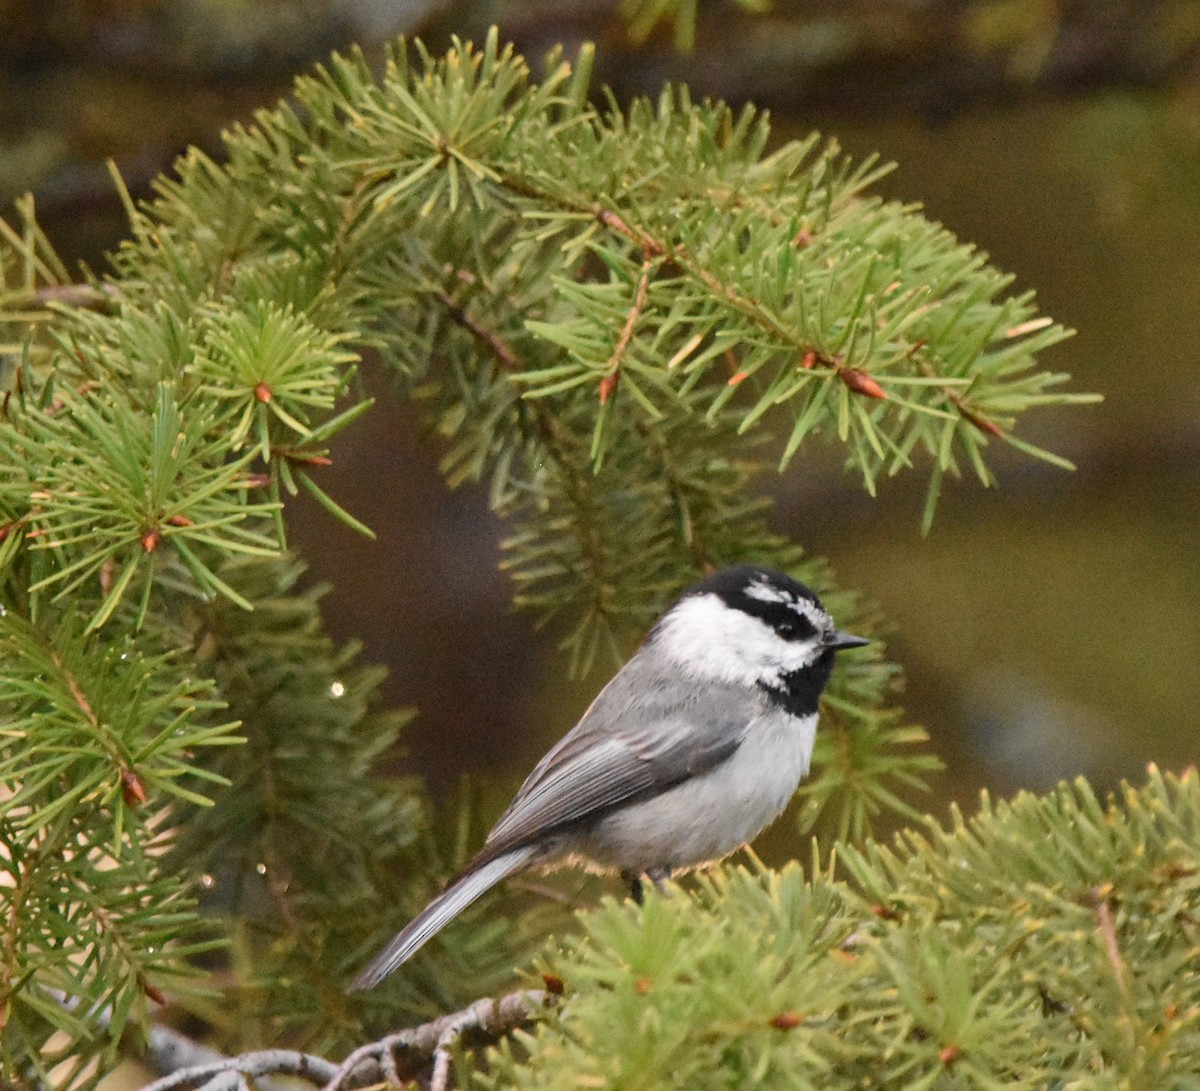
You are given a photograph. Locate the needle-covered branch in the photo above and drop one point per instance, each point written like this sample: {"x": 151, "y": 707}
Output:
{"x": 1048, "y": 941}
{"x": 508, "y": 246}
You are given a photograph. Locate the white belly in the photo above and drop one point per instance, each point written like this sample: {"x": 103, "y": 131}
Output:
{"x": 711, "y": 815}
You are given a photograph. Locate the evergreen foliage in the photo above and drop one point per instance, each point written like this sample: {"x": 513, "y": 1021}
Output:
{"x": 1046, "y": 942}
{"x": 607, "y": 315}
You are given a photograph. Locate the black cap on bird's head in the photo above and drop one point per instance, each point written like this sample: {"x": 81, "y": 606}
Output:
{"x": 789, "y": 607}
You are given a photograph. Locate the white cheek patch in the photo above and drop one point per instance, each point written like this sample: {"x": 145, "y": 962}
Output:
{"x": 703, "y": 635}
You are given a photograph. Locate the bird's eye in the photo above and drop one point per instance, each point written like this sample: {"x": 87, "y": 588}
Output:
{"x": 789, "y": 629}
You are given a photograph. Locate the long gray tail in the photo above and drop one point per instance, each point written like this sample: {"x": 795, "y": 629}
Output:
{"x": 440, "y": 912}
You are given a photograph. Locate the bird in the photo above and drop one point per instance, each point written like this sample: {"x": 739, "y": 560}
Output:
{"x": 696, "y": 744}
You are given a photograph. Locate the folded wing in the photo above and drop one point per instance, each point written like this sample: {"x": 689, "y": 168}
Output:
{"x": 590, "y": 772}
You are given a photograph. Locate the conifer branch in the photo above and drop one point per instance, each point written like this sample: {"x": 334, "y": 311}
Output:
{"x": 422, "y": 1051}
{"x": 407, "y": 1053}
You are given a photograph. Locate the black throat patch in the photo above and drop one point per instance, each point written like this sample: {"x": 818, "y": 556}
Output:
{"x": 799, "y": 691}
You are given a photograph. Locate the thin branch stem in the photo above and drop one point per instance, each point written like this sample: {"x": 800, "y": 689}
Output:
{"x": 399, "y": 1056}
{"x": 231, "y": 1072}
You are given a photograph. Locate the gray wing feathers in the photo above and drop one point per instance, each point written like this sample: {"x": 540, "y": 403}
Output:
{"x": 440, "y": 912}
{"x": 625, "y": 746}
{"x": 600, "y": 775}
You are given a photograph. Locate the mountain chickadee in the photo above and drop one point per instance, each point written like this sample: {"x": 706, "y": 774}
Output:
{"x": 694, "y": 746}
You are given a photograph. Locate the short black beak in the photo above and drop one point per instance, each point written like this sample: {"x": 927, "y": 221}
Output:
{"x": 837, "y": 640}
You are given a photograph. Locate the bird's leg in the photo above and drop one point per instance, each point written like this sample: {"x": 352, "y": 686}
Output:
{"x": 659, "y": 876}
{"x": 634, "y": 881}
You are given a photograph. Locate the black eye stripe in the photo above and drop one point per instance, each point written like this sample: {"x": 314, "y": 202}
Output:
{"x": 784, "y": 619}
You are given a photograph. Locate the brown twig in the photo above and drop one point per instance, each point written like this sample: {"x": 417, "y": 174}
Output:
{"x": 1108, "y": 932}
{"x": 498, "y": 346}
{"x": 651, "y": 246}
{"x": 612, "y": 369}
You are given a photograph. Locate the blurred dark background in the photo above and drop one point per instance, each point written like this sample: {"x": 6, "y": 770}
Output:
{"x": 1048, "y": 628}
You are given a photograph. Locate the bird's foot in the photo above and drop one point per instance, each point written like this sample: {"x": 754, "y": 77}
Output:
{"x": 658, "y": 876}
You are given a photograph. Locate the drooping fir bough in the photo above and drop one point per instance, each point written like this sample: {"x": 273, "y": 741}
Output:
{"x": 614, "y": 318}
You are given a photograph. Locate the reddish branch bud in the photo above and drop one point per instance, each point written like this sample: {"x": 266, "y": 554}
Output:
{"x": 258, "y": 481}
{"x": 809, "y": 361}
{"x": 862, "y": 383}
{"x": 263, "y": 393}
{"x": 6, "y": 530}
{"x": 156, "y": 994}
{"x": 303, "y": 458}
{"x": 802, "y": 238}
{"x": 133, "y": 791}
{"x": 179, "y": 521}
{"x": 884, "y": 913}
{"x": 982, "y": 423}
{"x": 610, "y": 219}
{"x": 949, "y": 1054}
{"x": 608, "y": 386}
{"x": 642, "y": 986}
{"x": 554, "y": 984}
{"x": 786, "y": 1020}
{"x": 150, "y": 539}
